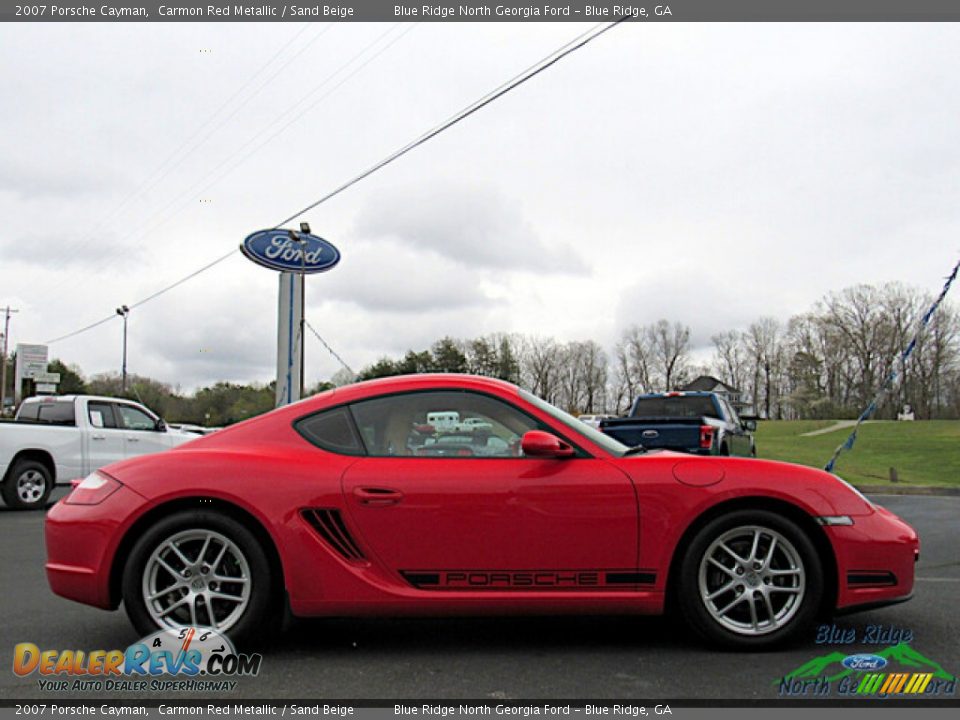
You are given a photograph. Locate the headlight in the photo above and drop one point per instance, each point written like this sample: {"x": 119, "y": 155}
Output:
{"x": 855, "y": 491}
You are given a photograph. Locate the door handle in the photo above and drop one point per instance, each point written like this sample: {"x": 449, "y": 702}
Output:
{"x": 133, "y": 439}
{"x": 377, "y": 497}
{"x": 98, "y": 437}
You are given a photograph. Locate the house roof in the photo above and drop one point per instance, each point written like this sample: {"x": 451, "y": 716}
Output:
{"x": 708, "y": 383}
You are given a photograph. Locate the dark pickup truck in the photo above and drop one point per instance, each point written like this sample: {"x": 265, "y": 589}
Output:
{"x": 702, "y": 423}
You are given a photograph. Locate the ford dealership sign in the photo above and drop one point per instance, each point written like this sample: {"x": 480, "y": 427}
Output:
{"x": 288, "y": 252}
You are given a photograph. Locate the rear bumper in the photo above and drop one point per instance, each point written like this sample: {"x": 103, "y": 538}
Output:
{"x": 81, "y": 544}
{"x": 876, "y": 557}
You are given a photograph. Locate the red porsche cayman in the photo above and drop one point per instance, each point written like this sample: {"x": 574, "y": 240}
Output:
{"x": 452, "y": 494}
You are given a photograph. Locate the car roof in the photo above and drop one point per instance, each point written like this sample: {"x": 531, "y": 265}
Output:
{"x": 404, "y": 383}
{"x": 72, "y": 397}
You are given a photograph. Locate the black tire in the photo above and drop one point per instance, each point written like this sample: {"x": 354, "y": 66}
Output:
{"x": 742, "y": 627}
{"x": 255, "y": 622}
{"x": 28, "y": 485}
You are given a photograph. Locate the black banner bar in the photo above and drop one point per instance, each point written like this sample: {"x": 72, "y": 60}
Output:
{"x": 498, "y": 11}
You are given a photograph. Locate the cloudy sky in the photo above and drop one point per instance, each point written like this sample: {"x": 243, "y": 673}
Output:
{"x": 704, "y": 173}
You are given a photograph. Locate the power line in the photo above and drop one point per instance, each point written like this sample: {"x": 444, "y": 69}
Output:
{"x": 157, "y": 294}
{"x": 519, "y": 79}
{"x": 161, "y": 216}
{"x": 163, "y": 170}
{"x": 499, "y": 92}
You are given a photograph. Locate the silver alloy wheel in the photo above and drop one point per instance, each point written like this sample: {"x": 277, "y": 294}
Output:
{"x": 196, "y": 577}
{"x": 752, "y": 580}
{"x": 31, "y": 486}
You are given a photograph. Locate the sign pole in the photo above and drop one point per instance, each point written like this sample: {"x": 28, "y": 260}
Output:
{"x": 289, "y": 338}
{"x": 3, "y": 372}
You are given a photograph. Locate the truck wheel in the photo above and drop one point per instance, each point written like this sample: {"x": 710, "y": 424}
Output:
{"x": 28, "y": 485}
{"x": 750, "y": 580}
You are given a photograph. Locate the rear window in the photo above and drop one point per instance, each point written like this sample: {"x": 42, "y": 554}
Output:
{"x": 49, "y": 413}
{"x": 28, "y": 412}
{"x": 331, "y": 430}
{"x": 678, "y": 407}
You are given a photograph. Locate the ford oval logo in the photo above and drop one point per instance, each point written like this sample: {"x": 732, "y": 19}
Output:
{"x": 277, "y": 250}
{"x": 650, "y": 434}
{"x": 864, "y": 662}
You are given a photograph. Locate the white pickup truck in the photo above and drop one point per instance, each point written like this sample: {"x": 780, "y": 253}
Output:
{"x": 55, "y": 439}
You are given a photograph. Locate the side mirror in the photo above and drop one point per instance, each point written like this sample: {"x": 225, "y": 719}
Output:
{"x": 749, "y": 424}
{"x": 161, "y": 425}
{"x": 537, "y": 443}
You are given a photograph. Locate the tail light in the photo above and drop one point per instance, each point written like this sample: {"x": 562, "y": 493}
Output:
{"x": 95, "y": 488}
{"x": 706, "y": 436}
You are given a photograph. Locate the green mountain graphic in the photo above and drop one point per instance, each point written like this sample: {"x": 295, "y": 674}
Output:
{"x": 900, "y": 654}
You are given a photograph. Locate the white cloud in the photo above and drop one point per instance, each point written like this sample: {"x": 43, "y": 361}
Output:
{"x": 704, "y": 173}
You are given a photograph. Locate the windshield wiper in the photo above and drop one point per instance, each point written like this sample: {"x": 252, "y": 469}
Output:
{"x": 635, "y": 450}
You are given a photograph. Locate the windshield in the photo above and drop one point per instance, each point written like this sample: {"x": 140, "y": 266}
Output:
{"x": 581, "y": 428}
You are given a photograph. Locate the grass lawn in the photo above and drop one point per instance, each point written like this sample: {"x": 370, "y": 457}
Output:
{"x": 923, "y": 452}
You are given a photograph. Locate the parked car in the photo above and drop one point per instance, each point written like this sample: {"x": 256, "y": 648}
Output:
{"x": 322, "y": 508}
{"x": 700, "y": 423}
{"x": 593, "y": 420}
{"x": 55, "y": 439}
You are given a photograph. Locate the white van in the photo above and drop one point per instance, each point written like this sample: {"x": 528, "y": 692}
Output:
{"x": 445, "y": 421}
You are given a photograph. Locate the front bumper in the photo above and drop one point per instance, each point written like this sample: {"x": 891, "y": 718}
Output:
{"x": 82, "y": 541}
{"x": 876, "y": 557}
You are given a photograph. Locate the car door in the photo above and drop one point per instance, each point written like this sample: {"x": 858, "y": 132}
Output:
{"x": 739, "y": 437}
{"x": 106, "y": 441}
{"x": 464, "y": 510}
{"x": 140, "y": 431}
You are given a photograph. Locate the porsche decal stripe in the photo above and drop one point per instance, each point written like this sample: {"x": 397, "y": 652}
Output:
{"x": 631, "y": 578}
{"x": 528, "y": 579}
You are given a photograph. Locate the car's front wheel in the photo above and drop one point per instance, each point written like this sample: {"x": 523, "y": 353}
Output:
{"x": 750, "y": 579}
{"x": 198, "y": 568}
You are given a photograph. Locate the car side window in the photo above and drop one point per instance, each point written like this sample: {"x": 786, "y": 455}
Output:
{"x": 101, "y": 415}
{"x": 134, "y": 419}
{"x": 445, "y": 423}
{"x": 331, "y": 430}
{"x": 731, "y": 413}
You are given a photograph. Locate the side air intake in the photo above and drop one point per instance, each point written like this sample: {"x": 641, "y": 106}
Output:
{"x": 329, "y": 526}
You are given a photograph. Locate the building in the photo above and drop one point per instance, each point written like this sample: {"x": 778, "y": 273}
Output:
{"x": 708, "y": 383}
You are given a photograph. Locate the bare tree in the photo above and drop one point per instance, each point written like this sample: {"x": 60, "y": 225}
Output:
{"x": 671, "y": 346}
{"x": 539, "y": 366}
{"x": 766, "y": 355}
{"x": 730, "y": 358}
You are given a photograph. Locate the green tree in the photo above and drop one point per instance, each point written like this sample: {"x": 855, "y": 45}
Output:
{"x": 448, "y": 357}
{"x": 71, "y": 381}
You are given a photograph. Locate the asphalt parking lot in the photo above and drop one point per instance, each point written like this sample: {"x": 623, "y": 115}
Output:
{"x": 489, "y": 659}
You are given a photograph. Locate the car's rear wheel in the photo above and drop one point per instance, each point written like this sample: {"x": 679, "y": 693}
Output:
{"x": 750, "y": 579}
{"x": 28, "y": 486}
{"x": 198, "y": 569}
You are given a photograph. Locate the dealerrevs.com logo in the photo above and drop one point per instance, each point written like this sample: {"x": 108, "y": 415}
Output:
{"x": 184, "y": 659}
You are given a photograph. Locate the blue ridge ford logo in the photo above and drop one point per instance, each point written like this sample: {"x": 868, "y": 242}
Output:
{"x": 290, "y": 252}
{"x": 864, "y": 662}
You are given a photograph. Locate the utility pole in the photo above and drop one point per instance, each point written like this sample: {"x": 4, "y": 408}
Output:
{"x": 3, "y": 373}
{"x": 123, "y": 311}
